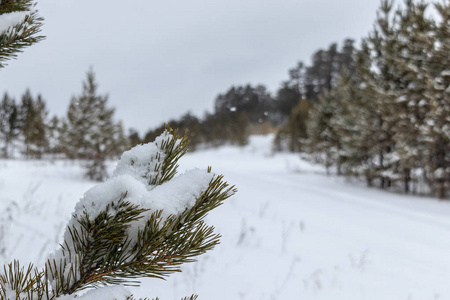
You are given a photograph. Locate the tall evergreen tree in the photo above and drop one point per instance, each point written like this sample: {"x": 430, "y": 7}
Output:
{"x": 405, "y": 47}
{"x": 33, "y": 115}
{"x": 238, "y": 127}
{"x": 400, "y": 41}
{"x": 293, "y": 135}
{"x": 191, "y": 126}
{"x": 27, "y": 114}
{"x": 287, "y": 98}
{"x": 133, "y": 137}
{"x": 291, "y": 92}
{"x": 347, "y": 59}
{"x": 323, "y": 142}
{"x": 326, "y": 67}
{"x": 9, "y": 124}
{"x": 90, "y": 131}
{"x": 435, "y": 128}
{"x": 40, "y": 133}
{"x": 54, "y": 130}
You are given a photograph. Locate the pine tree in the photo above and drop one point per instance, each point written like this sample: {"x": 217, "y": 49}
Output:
{"x": 21, "y": 30}
{"x": 408, "y": 41}
{"x": 143, "y": 222}
{"x": 192, "y": 127}
{"x": 254, "y": 101}
{"x": 295, "y": 129}
{"x": 381, "y": 79}
{"x": 120, "y": 140}
{"x": 323, "y": 142}
{"x": 33, "y": 115}
{"x": 409, "y": 52}
{"x": 39, "y": 139}
{"x": 347, "y": 58}
{"x": 286, "y": 99}
{"x": 326, "y": 67}
{"x": 54, "y": 130}
{"x": 435, "y": 128}
{"x": 133, "y": 137}
{"x": 360, "y": 125}
{"x": 238, "y": 128}
{"x": 9, "y": 124}
{"x": 90, "y": 132}
{"x": 314, "y": 83}
{"x": 343, "y": 124}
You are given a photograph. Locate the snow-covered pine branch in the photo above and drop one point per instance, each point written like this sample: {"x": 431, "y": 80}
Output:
{"x": 19, "y": 27}
{"x": 143, "y": 222}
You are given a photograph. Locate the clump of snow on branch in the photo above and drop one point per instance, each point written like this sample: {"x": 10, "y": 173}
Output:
{"x": 9, "y": 20}
{"x": 117, "y": 292}
{"x": 131, "y": 178}
{"x": 12, "y": 293}
{"x": 141, "y": 161}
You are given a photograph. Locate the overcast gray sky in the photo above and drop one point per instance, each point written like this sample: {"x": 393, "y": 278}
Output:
{"x": 159, "y": 59}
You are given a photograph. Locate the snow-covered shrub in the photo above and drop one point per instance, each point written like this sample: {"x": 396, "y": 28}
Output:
{"x": 142, "y": 222}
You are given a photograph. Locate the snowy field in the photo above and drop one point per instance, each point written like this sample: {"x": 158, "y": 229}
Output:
{"x": 290, "y": 232}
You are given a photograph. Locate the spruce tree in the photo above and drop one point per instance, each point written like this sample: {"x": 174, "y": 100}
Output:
{"x": 143, "y": 222}
{"x": 20, "y": 29}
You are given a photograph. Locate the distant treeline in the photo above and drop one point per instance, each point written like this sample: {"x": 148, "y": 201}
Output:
{"x": 88, "y": 129}
{"x": 380, "y": 111}
{"x": 246, "y": 109}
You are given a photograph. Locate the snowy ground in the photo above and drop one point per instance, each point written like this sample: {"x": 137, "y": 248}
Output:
{"x": 289, "y": 233}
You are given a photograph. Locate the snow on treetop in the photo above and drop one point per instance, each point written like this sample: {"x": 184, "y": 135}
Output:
{"x": 142, "y": 161}
{"x": 172, "y": 197}
{"x": 131, "y": 183}
{"x": 132, "y": 178}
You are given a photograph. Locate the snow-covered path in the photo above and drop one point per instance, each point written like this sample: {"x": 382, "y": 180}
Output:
{"x": 290, "y": 232}
{"x": 293, "y": 233}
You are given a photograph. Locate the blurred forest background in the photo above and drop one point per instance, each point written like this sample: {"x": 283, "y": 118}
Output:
{"x": 378, "y": 110}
